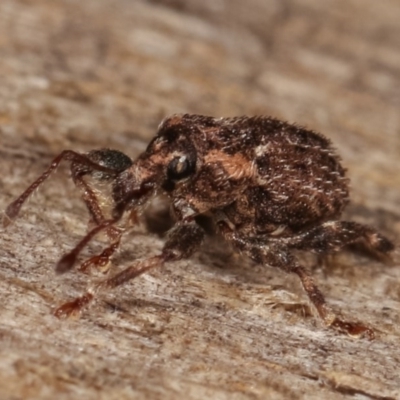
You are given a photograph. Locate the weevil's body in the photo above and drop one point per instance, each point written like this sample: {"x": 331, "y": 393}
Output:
{"x": 268, "y": 186}
{"x": 264, "y": 175}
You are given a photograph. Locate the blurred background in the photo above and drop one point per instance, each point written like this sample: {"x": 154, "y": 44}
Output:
{"x": 104, "y": 73}
{"x": 78, "y": 72}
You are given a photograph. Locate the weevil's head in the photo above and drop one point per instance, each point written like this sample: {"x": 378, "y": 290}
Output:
{"x": 170, "y": 159}
{"x": 187, "y": 162}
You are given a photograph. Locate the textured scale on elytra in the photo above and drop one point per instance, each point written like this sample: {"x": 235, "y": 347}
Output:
{"x": 268, "y": 187}
{"x": 295, "y": 169}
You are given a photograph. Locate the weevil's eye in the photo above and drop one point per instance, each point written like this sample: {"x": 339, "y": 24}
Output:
{"x": 180, "y": 167}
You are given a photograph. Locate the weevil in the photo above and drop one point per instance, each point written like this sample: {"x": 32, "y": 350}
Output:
{"x": 269, "y": 188}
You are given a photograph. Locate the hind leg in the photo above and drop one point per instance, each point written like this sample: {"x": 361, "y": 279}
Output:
{"x": 333, "y": 235}
{"x": 278, "y": 255}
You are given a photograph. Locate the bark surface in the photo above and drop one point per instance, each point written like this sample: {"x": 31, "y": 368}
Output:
{"x": 92, "y": 74}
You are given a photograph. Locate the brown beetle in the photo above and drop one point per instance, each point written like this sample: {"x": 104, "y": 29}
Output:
{"x": 268, "y": 186}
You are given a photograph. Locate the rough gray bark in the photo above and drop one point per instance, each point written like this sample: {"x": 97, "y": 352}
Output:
{"x": 91, "y": 74}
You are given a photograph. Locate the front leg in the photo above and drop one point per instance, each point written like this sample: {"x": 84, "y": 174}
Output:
{"x": 80, "y": 165}
{"x": 279, "y": 256}
{"x": 183, "y": 241}
{"x": 116, "y": 162}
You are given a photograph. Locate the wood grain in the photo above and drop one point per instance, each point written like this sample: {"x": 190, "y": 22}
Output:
{"x": 102, "y": 73}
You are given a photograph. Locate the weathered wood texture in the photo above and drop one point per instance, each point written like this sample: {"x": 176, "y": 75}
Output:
{"x": 102, "y": 73}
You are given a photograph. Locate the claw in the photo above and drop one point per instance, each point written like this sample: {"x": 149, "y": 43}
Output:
{"x": 73, "y": 308}
{"x": 101, "y": 263}
{"x": 353, "y": 329}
